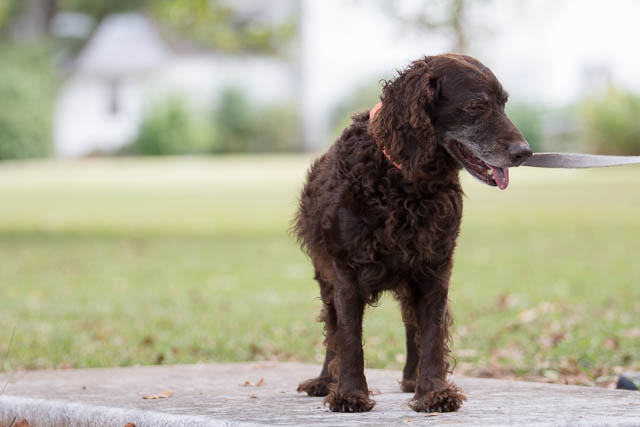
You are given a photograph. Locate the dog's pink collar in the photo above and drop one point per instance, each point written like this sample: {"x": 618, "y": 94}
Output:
{"x": 372, "y": 114}
{"x": 374, "y": 110}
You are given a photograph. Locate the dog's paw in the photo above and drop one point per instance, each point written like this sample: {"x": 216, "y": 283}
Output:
{"x": 348, "y": 401}
{"x": 447, "y": 399}
{"x": 408, "y": 386}
{"x": 315, "y": 386}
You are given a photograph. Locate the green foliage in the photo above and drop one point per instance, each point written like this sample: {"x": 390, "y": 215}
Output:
{"x": 217, "y": 24}
{"x": 235, "y": 126}
{"x": 100, "y": 8}
{"x": 528, "y": 118}
{"x": 26, "y": 101}
{"x": 278, "y": 129}
{"x": 212, "y": 23}
{"x": 611, "y": 123}
{"x": 240, "y": 127}
{"x": 6, "y": 10}
{"x": 170, "y": 128}
{"x": 234, "y": 122}
{"x": 9, "y": 9}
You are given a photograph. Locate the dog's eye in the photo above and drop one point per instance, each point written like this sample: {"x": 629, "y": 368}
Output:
{"x": 475, "y": 109}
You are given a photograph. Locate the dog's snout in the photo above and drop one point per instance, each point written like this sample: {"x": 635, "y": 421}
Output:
{"x": 519, "y": 152}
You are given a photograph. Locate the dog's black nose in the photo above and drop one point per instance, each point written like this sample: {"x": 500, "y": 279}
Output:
{"x": 519, "y": 152}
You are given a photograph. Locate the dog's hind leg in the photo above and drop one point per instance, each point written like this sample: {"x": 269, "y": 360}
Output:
{"x": 319, "y": 386}
{"x": 407, "y": 303}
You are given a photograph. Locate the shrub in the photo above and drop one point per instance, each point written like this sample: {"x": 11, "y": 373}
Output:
{"x": 27, "y": 90}
{"x": 278, "y": 129}
{"x": 170, "y": 128}
{"x": 233, "y": 120}
{"x": 241, "y": 127}
{"x": 611, "y": 123}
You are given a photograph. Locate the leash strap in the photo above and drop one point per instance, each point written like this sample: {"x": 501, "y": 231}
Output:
{"x": 576, "y": 160}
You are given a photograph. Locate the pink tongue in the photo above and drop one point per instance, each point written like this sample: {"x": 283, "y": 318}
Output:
{"x": 501, "y": 176}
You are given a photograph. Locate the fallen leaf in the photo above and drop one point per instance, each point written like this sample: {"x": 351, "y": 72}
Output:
{"x": 226, "y": 399}
{"x": 507, "y": 301}
{"x": 408, "y": 420}
{"x": 22, "y": 423}
{"x": 253, "y": 396}
{"x": 611, "y": 343}
{"x": 162, "y": 395}
{"x": 129, "y": 425}
{"x": 432, "y": 414}
{"x": 549, "y": 341}
{"x": 557, "y": 338}
{"x": 256, "y": 384}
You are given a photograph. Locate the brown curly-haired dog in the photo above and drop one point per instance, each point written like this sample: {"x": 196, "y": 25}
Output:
{"x": 381, "y": 211}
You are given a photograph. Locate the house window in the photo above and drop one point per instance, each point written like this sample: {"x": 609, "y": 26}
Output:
{"x": 113, "y": 97}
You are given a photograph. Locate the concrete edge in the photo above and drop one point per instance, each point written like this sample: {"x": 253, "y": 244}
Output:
{"x": 47, "y": 412}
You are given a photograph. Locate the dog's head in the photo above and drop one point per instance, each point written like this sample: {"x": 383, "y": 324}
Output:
{"x": 453, "y": 102}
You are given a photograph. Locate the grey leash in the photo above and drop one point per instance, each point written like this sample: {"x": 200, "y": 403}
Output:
{"x": 576, "y": 160}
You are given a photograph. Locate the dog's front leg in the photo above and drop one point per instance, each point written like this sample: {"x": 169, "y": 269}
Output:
{"x": 351, "y": 394}
{"x": 433, "y": 393}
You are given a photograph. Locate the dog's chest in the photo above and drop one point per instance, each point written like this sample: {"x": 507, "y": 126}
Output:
{"x": 407, "y": 227}
{"x": 425, "y": 220}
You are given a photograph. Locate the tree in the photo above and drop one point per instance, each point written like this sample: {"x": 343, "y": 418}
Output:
{"x": 27, "y": 19}
{"x": 448, "y": 16}
{"x": 248, "y": 27}
{"x": 230, "y": 28}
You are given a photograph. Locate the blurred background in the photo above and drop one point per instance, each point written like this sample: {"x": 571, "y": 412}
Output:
{"x": 151, "y": 153}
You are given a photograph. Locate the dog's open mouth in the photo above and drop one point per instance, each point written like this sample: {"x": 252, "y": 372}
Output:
{"x": 491, "y": 175}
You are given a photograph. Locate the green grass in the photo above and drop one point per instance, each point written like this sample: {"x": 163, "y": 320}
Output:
{"x": 120, "y": 262}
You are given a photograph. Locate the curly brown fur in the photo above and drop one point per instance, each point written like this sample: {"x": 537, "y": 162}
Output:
{"x": 370, "y": 226}
{"x": 315, "y": 386}
{"x": 447, "y": 399}
{"x": 348, "y": 401}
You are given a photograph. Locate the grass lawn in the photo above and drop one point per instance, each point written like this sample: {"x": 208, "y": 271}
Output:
{"x": 120, "y": 262}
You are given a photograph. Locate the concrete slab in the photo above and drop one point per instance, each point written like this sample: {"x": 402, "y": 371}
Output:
{"x": 218, "y": 395}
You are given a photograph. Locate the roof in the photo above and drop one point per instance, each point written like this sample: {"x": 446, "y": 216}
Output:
{"x": 123, "y": 44}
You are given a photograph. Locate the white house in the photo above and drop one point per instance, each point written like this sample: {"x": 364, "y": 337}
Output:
{"x": 126, "y": 67}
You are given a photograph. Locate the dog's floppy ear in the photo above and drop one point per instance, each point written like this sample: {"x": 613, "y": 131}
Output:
{"x": 402, "y": 127}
